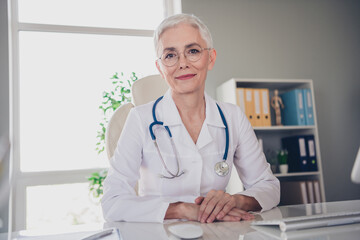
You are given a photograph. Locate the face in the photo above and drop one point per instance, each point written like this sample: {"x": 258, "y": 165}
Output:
{"x": 185, "y": 77}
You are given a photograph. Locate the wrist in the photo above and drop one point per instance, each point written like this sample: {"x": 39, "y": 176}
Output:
{"x": 246, "y": 203}
{"x": 174, "y": 211}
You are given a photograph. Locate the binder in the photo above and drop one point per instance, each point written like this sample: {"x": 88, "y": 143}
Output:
{"x": 245, "y": 101}
{"x": 293, "y": 192}
{"x": 311, "y": 153}
{"x": 293, "y": 112}
{"x": 265, "y": 107}
{"x": 310, "y": 191}
{"x": 317, "y": 191}
{"x": 249, "y": 105}
{"x": 240, "y": 98}
{"x": 257, "y": 108}
{"x": 308, "y": 107}
{"x": 297, "y": 156}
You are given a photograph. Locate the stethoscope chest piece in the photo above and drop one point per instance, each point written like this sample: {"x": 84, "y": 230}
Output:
{"x": 222, "y": 168}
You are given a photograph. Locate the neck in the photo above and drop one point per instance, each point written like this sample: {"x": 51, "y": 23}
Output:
{"x": 190, "y": 105}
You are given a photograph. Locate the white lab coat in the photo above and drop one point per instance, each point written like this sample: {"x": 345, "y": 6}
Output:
{"x": 136, "y": 159}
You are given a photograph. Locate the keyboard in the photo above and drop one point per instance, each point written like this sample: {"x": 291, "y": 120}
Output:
{"x": 312, "y": 221}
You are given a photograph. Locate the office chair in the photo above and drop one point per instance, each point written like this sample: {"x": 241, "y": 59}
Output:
{"x": 143, "y": 91}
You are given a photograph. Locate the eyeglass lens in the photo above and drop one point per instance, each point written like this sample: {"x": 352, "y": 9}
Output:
{"x": 171, "y": 57}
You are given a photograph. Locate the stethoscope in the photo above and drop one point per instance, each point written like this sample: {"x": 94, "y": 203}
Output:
{"x": 221, "y": 168}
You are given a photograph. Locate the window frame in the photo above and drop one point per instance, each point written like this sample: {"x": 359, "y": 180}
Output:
{"x": 22, "y": 180}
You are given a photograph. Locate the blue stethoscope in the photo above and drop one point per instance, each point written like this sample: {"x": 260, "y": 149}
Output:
{"x": 221, "y": 168}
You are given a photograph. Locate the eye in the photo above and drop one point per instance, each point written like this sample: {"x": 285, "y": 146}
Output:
{"x": 170, "y": 55}
{"x": 193, "y": 51}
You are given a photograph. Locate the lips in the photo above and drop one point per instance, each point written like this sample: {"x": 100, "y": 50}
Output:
{"x": 185, "y": 77}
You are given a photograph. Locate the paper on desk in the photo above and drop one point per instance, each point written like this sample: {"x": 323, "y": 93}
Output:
{"x": 68, "y": 236}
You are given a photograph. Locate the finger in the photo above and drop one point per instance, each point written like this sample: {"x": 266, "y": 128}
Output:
{"x": 241, "y": 213}
{"x": 199, "y": 200}
{"x": 230, "y": 204}
{"x": 229, "y": 218}
{"x": 222, "y": 207}
{"x": 211, "y": 205}
{"x": 204, "y": 203}
{"x": 214, "y": 213}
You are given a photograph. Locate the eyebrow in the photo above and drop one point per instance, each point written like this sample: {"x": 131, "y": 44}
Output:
{"x": 186, "y": 46}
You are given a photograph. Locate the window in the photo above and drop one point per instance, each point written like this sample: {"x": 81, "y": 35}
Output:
{"x": 63, "y": 55}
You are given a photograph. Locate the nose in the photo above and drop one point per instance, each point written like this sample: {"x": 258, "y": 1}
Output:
{"x": 183, "y": 62}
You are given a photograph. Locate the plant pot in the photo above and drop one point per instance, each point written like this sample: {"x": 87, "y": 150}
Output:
{"x": 283, "y": 168}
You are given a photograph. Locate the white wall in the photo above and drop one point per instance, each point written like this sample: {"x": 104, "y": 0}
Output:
{"x": 314, "y": 39}
{"x": 4, "y": 88}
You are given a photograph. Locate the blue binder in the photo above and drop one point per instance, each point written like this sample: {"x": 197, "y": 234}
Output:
{"x": 293, "y": 113}
{"x": 311, "y": 153}
{"x": 308, "y": 107}
{"x": 297, "y": 154}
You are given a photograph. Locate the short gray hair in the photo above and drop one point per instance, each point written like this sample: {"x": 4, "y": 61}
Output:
{"x": 177, "y": 19}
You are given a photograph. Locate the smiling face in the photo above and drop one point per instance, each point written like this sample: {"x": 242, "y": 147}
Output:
{"x": 185, "y": 76}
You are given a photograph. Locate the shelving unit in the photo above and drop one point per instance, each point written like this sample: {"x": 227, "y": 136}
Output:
{"x": 272, "y": 135}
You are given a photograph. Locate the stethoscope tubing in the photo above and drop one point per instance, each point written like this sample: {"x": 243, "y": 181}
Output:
{"x": 153, "y": 137}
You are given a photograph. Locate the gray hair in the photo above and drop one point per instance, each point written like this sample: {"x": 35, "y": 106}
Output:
{"x": 177, "y": 19}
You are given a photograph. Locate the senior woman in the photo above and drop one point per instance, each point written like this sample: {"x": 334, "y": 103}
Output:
{"x": 198, "y": 142}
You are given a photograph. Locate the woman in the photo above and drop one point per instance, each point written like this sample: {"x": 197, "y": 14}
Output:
{"x": 185, "y": 177}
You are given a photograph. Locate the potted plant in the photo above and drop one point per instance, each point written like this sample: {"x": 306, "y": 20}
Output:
{"x": 282, "y": 159}
{"x": 118, "y": 95}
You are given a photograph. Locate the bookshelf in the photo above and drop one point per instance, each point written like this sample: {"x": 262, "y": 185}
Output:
{"x": 271, "y": 135}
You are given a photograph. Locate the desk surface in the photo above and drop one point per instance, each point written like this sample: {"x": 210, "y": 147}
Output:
{"x": 231, "y": 230}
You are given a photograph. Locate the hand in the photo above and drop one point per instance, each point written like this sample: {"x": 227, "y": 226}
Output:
{"x": 181, "y": 210}
{"x": 236, "y": 214}
{"x": 216, "y": 205}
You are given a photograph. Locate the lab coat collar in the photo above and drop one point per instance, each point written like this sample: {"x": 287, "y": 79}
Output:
{"x": 172, "y": 116}
{"x": 212, "y": 113}
{"x": 213, "y": 118}
{"x": 170, "y": 111}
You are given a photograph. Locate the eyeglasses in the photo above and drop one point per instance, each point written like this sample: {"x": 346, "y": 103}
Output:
{"x": 192, "y": 53}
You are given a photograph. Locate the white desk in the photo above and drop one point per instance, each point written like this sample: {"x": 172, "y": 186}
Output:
{"x": 232, "y": 230}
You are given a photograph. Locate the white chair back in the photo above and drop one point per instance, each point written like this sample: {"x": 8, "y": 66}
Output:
{"x": 143, "y": 91}
{"x": 148, "y": 89}
{"x": 115, "y": 126}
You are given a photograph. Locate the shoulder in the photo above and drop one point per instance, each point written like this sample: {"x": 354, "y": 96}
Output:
{"x": 231, "y": 109}
{"x": 144, "y": 111}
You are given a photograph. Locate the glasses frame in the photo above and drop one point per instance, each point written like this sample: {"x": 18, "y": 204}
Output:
{"x": 178, "y": 56}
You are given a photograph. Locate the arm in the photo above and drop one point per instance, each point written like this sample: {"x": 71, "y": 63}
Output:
{"x": 120, "y": 202}
{"x": 253, "y": 169}
{"x": 181, "y": 210}
{"x": 262, "y": 188}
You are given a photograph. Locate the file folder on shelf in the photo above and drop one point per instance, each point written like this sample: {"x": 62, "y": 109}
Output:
{"x": 311, "y": 153}
{"x": 293, "y": 112}
{"x": 297, "y": 154}
{"x": 265, "y": 107}
{"x": 245, "y": 101}
{"x": 308, "y": 107}
{"x": 317, "y": 191}
{"x": 310, "y": 191}
{"x": 257, "y": 108}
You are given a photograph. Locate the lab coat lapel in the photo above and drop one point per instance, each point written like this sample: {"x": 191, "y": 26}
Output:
{"x": 212, "y": 119}
{"x": 171, "y": 118}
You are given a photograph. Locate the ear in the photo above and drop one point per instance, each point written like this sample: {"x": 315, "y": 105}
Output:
{"x": 159, "y": 68}
{"x": 212, "y": 58}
